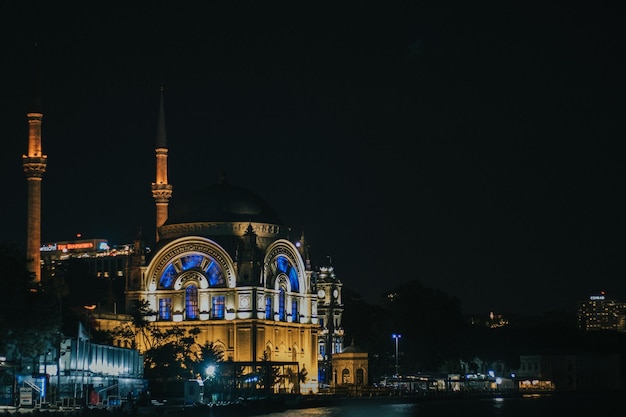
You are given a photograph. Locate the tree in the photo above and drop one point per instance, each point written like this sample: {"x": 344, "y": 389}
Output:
{"x": 29, "y": 313}
{"x": 138, "y": 326}
{"x": 172, "y": 354}
{"x": 428, "y": 320}
{"x": 208, "y": 354}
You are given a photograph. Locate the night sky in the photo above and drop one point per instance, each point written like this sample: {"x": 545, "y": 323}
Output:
{"x": 475, "y": 146}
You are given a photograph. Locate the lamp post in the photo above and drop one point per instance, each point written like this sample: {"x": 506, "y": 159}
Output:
{"x": 397, "y": 337}
{"x": 210, "y": 373}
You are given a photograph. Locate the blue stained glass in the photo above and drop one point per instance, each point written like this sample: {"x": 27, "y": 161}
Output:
{"x": 191, "y": 261}
{"x": 167, "y": 277}
{"x": 282, "y": 264}
{"x": 165, "y": 308}
{"x": 219, "y": 303}
{"x": 268, "y": 308}
{"x": 293, "y": 279}
{"x": 282, "y": 314}
{"x": 295, "y": 315}
{"x": 192, "y": 302}
{"x": 214, "y": 274}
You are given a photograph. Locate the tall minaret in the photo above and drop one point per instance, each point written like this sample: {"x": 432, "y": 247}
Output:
{"x": 34, "y": 163}
{"x": 161, "y": 190}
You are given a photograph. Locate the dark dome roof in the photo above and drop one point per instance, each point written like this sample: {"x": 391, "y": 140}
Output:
{"x": 352, "y": 349}
{"x": 222, "y": 203}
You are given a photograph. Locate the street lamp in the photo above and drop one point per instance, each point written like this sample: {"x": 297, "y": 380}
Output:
{"x": 210, "y": 373}
{"x": 397, "y": 337}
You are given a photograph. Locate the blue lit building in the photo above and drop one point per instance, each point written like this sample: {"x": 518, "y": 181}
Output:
{"x": 77, "y": 373}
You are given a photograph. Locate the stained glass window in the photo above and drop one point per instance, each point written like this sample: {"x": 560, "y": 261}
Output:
{"x": 191, "y": 261}
{"x": 294, "y": 311}
{"x": 215, "y": 275}
{"x": 167, "y": 277}
{"x": 191, "y": 302}
{"x": 283, "y": 264}
{"x": 282, "y": 315}
{"x": 212, "y": 271}
{"x": 268, "y": 308}
{"x": 165, "y": 308}
{"x": 219, "y": 305}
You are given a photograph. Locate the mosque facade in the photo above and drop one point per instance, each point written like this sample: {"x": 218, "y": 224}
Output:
{"x": 224, "y": 267}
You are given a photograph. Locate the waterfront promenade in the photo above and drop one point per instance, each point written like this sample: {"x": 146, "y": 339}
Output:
{"x": 572, "y": 404}
{"x": 257, "y": 407}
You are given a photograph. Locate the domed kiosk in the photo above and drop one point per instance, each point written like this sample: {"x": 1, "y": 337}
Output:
{"x": 350, "y": 367}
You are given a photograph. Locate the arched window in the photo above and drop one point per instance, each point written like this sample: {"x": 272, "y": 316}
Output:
{"x": 202, "y": 263}
{"x": 345, "y": 376}
{"x": 191, "y": 302}
{"x": 283, "y": 265}
{"x": 360, "y": 377}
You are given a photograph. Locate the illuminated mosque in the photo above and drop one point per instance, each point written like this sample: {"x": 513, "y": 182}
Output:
{"x": 223, "y": 264}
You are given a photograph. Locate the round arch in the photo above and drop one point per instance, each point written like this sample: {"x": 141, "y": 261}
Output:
{"x": 190, "y": 258}
{"x": 282, "y": 259}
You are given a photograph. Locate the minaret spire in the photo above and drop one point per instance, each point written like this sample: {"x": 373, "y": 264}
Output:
{"x": 34, "y": 163}
{"x": 161, "y": 189}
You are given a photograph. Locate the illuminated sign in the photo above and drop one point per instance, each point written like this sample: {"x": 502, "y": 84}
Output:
{"x": 48, "y": 248}
{"x": 93, "y": 245}
{"x": 596, "y": 297}
{"x": 77, "y": 245}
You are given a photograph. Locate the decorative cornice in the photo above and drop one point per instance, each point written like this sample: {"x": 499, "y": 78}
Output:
{"x": 34, "y": 167}
{"x": 222, "y": 229}
{"x": 161, "y": 192}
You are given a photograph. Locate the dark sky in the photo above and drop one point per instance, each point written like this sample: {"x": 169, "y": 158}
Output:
{"x": 475, "y": 146}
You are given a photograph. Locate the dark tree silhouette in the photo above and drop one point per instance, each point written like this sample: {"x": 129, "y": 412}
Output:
{"x": 29, "y": 313}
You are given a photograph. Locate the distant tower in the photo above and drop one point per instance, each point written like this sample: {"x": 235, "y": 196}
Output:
{"x": 34, "y": 167}
{"x": 161, "y": 190}
{"x": 330, "y": 314}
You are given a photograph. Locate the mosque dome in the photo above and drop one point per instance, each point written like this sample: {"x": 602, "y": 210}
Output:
{"x": 222, "y": 202}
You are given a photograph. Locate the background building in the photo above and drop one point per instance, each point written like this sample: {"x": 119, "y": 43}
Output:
{"x": 570, "y": 372}
{"x": 601, "y": 313}
{"x": 330, "y": 312}
{"x": 75, "y": 373}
